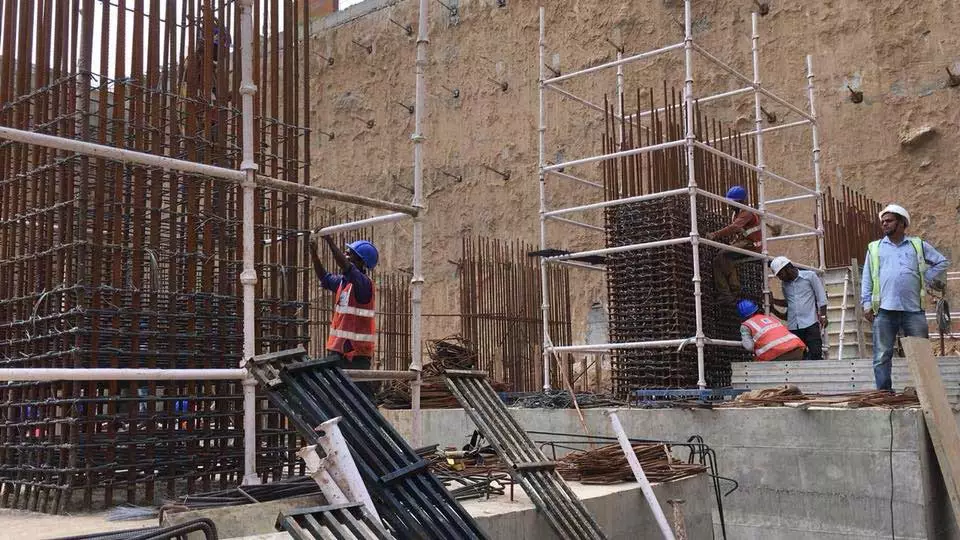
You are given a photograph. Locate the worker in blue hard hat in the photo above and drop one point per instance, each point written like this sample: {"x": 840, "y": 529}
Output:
{"x": 742, "y": 232}
{"x": 353, "y": 330}
{"x": 765, "y": 336}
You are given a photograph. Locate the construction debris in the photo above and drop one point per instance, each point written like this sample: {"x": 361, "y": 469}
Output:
{"x": 791, "y": 396}
{"x": 411, "y": 500}
{"x": 477, "y": 469}
{"x": 561, "y": 399}
{"x": 567, "y": 515}
{"x": 608, "y": 465}
{"x": 452, "y": 352}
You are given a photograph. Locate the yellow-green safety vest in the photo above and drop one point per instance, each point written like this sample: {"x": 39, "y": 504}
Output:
{"x": 874, "y": 250}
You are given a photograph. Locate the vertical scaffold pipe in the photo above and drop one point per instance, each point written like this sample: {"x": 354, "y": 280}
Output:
{"x": 544, "y": 286}
{"x": 416, "y": 282}
{"x": 248, "y": 277}
{"x": 692, "y": 186}
{"x": 761, "y": 161}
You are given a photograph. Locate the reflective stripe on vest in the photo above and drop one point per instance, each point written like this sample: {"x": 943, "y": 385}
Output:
{"x": 874, "y": 251}
{"x": 752, "y": 232}
{"x": 770, "y": 337}
{"x": 353, "y": 330}
{"x": 354, "y": 311}
{"x": 353, "y": 336}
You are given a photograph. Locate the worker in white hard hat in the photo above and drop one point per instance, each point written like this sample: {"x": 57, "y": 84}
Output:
{"x": 806, "y": 303}
{"x": 896, "y": 271}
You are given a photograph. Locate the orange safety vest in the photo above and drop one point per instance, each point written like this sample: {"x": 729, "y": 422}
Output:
{"x": 770, "y": 337}
{"x": 752, "y": 232}
{"x": 353, "y": 330}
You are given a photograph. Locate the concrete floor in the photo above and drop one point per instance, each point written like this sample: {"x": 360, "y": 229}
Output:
{"x": 24, "y": 525}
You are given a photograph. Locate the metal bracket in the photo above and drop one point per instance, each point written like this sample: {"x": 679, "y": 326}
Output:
{"x": 404, "y": 472}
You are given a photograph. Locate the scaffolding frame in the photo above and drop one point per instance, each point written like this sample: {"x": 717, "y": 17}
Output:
{"x": 249, "y": 179}
{"x": 690, "y": 143}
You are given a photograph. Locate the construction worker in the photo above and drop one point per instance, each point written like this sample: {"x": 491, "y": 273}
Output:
{"x": 806, "y": 303}
{"x": 743, "y": 232}
{"x": 353, "y": 331}
{"x": 897, "y": 270}
{"x": 765, "y": 336}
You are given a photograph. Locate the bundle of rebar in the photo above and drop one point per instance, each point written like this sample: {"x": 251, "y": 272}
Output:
{"x": 651, "y": 291}
{"x": 452, "y": 352}
{"x": 791, "y": 396}
{"x": 104, "y": 264}
{"x": 296, "y": 486}
{"x": 500, "y": 299}
{"x": 608, "y": 465}
{"x": 562, "y": 399}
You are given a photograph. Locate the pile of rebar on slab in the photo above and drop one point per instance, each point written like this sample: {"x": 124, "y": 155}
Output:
{"x": 608, "y": 465}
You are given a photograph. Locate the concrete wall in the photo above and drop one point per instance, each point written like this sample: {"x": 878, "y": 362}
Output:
{"x": 828, "y": 474}
{"x": 895, "y": 52}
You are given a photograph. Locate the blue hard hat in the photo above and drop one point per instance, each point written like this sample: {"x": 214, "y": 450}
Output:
{"x": 746, "y": 308}
{"x": 737, "y": 193}
{"x": 366, "y": 251}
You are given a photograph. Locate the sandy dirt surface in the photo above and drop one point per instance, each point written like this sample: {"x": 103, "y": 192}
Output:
{"x": 23, "y": 525}
{"x": 895, "y": 52}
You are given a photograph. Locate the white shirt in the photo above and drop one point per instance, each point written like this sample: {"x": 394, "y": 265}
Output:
{"x": 804, "y": 295}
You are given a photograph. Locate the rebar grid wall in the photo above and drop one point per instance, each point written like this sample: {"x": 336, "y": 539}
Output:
{"x": 650, "y": 292}
{"x": 850, "y": 222}
{"x": 500, "y": 310}
{"x": 106, "y": 264}
{"x": 690, "y": 139}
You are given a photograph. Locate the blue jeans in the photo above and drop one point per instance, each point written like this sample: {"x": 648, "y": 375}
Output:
{"x": 886, "y": 325}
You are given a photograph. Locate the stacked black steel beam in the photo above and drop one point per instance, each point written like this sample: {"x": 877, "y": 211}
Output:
{"x": 408, "y": 497}
{"x": 349, "y": 521}
{"x": 526, "y": 463}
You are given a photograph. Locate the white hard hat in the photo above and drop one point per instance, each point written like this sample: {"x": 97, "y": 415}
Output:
{"x": 898, "y": 210}
{"x": 778, "y": 263}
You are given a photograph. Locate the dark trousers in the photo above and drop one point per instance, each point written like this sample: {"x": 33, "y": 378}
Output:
{"x": 812, "y": 338}
{"x": 369, "y": 388}
{"x": 726, "y": 277}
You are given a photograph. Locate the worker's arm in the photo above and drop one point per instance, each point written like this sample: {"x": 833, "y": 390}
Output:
{"x": 342, "y": 261}
{"x": 362, "y": 286}
{"x": 781, "y": 314}
{"x": 821, "y": 295}
{"x": 327, "y": 280}
{"x": 746, "y": 339}
{"x": 736, "y": 226}
{"x": 936, "y": 263}
{"x": 866, "y": 289}
{"x": 318, "y": 268}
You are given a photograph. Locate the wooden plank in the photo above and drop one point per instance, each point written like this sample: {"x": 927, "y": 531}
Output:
{"x": 938, "y": 414}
